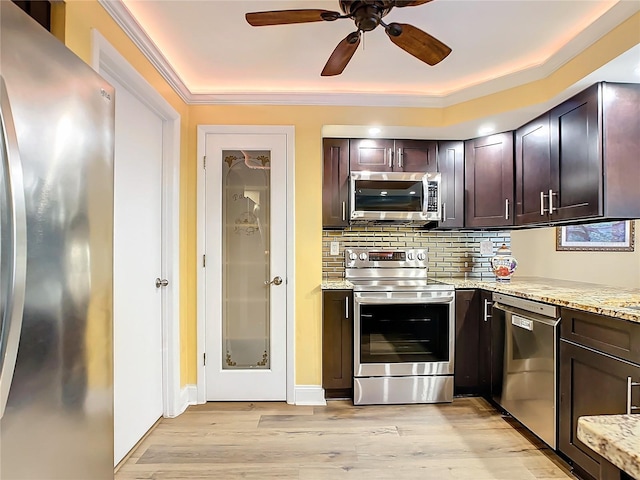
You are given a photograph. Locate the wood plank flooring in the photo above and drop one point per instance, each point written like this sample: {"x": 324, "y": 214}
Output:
{"x": 466, "y": 439}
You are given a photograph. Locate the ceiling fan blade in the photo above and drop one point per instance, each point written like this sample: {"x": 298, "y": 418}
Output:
{"x": 283, "y": 17}
{"x": 418, "y": 43}
{"x": 409, "y": 3}
{"x": 341, "y": 55}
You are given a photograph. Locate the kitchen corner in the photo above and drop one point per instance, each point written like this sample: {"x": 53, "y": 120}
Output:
{"x": 622, "y": 303}
{"x": 596, "y": 343}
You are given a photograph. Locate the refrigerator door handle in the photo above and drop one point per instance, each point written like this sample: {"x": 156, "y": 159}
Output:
{"x": 16, "y": 241}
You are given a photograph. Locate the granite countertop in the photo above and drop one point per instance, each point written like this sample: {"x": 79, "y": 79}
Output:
{"x": 337, "y": 284}
{"x": 616, "y": 302}
{"x": 615, "y": 437}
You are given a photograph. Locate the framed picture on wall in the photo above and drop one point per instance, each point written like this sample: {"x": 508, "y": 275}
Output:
{"x": 596, "y": 237}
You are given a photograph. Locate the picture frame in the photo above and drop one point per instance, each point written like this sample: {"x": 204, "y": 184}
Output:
{"x": 618, "y": 236}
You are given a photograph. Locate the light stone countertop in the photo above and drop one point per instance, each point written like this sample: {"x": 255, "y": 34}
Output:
{"x": 337, "y": 284}
{"x": 615, "y": 437}
{"x": 623, "y": 303}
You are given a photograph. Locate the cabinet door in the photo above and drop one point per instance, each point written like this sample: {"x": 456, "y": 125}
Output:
{"x": 489, "y": 181}
{"x": 451, "y": 166}
{"x": 576, "y": 159}
{"x": 335, "y": 182}
{"x": 415, "y": 156}
{"x": 590, "y": 384}
{"x": 371, "y": 154}
{"x": 533, "y": 171}
{"x": 337, "y": 343}
{"x": 465, "y": 377}
{"x": 484, "y": 344}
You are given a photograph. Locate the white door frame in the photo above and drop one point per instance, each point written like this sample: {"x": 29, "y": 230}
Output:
{"x": 289, "y": 131}
{"x": 106, "y": 58}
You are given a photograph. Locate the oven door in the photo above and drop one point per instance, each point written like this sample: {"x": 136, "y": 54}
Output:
{"x": 403, "y": 333}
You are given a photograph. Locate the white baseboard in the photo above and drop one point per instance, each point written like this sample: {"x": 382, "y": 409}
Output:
{"x": 188, "y": 396}
{"x": 309, "y": 395}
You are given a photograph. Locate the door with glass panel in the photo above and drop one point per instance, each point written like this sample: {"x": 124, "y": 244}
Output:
{"x": 245, "y": 265}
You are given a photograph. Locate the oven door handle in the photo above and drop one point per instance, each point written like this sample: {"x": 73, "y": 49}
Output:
{"x": 399, "y": 298}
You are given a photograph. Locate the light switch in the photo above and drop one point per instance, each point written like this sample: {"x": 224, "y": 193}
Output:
{"x": 486, "y": 247}
{"x": 335, "y": 248}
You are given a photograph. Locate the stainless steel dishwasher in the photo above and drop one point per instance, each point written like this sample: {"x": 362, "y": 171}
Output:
{"x": 524, "y": 362}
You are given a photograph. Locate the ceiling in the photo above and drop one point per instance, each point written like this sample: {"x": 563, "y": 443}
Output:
{"x": 210, "y": 54}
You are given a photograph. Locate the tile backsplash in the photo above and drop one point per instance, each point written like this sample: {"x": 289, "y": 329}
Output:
{"x": 450, "y": 253}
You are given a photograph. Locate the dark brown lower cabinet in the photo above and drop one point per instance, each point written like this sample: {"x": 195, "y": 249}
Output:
{"x": 465, "y": 377}
{"x": 472, "y": 368}
{"x": 337, "y": 343}
{"x": 591, "y": 383}
{"x": 484, "y": 347}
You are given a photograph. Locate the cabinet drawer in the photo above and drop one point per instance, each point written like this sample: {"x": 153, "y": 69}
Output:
{"x": 617, "y": 337}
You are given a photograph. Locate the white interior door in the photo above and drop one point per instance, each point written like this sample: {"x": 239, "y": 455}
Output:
{"x": 137, "y": 262}
{"x": 245, "y": 273}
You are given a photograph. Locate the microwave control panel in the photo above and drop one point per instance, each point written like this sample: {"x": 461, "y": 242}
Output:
{"x": 433, "y": 202}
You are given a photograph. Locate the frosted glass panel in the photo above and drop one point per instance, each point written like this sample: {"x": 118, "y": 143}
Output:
{"x": 245, "y": 259}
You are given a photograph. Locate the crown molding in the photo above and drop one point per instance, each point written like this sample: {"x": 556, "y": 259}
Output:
{"x": 617, "y": 14}
{"x": 122, "y": 16}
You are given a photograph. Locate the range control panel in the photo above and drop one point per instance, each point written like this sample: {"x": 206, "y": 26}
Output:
{"x": 379, "y": 258}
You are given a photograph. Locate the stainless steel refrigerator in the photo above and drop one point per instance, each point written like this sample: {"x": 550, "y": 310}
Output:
{"x": 56, "y": 224}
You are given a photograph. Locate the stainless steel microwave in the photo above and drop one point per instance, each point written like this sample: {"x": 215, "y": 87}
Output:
{"x": 394, "y": 197}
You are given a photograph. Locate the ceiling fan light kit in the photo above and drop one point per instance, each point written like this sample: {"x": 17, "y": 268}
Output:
{"x": 367, "y": 15}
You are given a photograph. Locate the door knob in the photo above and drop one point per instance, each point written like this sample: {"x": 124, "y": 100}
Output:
{"x": 275, "y": 281}
{"x": 161, "y": 282}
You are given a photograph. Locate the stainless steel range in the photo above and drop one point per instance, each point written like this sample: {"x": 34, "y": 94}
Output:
{"x": 404, "y": 328}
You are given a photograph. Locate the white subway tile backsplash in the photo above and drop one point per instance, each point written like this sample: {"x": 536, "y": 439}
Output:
{"x": 450, "y": 253}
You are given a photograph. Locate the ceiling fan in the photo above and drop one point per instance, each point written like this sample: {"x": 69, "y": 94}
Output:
{"x": 367, "y": 15}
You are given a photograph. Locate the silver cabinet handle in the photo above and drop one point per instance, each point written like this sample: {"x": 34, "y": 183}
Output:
{"x": 16, "y": 240}
{"x": 487, "y": 304}
{"x": 630, "y": 384}
{"x": 551, "y": 201}
{"x": 346, "y": 307}
{"x": 542, "y": 209}
{"x": 506, "y": 209}
{"x": 275, "y": 281}
{"x": 161, "y": 282}
{"x": 344, "y": 211}
{"x": 400, "y": 157}
{"x": 390, "y": 157}
{"x": 444, "y": 211}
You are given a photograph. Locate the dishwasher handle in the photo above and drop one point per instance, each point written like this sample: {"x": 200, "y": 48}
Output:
{"x": 522, "y": 317}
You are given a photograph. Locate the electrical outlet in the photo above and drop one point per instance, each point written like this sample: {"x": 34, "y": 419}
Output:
{"x": 486, "y": 247}
{"x": 335, "y": 248}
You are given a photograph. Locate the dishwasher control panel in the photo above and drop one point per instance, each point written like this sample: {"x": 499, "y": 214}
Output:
{"x": 522, "y": 322}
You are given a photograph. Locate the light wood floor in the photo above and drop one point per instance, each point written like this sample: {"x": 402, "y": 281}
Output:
{"x": 467, "y": 439}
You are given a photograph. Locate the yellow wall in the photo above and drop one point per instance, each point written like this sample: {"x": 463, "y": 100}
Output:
{"x": 536, "y": 253}
{"x": 81, "y": 15}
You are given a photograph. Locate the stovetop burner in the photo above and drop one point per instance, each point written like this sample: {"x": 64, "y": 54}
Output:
{"x": 399, "y": 285}
{"x": 390, "y": 270}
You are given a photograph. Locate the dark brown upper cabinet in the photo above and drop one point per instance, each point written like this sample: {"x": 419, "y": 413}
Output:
{"x": 335, "y": 183}
{"x": 533, "y": 171}
{"x": 488, "y": 179}
{"x": 594, "y": 148}
{"x": 451, "y": 166}
{"x": 383, "y": 155}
